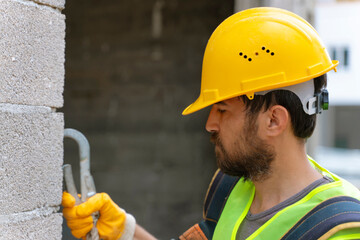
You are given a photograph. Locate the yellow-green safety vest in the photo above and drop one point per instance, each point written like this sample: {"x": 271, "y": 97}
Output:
{"x": 241, "y": 197}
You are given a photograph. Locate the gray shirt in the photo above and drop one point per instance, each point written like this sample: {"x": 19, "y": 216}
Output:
{"x": 254, "y": 221}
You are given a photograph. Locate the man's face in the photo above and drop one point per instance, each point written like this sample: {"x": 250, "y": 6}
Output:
{"x": 239, "y": 149}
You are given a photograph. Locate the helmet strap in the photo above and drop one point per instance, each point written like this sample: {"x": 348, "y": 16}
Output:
{"x": 312, "y": 103}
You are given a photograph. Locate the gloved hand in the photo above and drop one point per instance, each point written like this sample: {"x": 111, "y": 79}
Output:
{"x": 113, "y": 223}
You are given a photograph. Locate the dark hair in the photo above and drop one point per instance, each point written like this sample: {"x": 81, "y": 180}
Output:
{"x": 303, "y": 125}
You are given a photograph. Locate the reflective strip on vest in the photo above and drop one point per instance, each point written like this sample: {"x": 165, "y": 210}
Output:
{"x": 240, "y": 199}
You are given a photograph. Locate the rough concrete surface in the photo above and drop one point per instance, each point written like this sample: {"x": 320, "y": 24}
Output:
{"x": 60, "y": 4}
{"x": 32, "y": 54}
{"x": 31, "y": 156}
{"x": 11, "y": 108}
{"x": 37, "y": 228}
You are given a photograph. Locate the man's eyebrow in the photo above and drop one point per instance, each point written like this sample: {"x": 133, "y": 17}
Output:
{"x": 221, "y": 103}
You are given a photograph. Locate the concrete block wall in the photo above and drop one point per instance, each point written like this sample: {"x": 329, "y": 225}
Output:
{"x": 32, "y": 49}
{"x": 31, "y": 131}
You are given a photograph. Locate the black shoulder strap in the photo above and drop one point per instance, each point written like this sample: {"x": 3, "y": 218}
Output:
{"x": 325, "y": 217}
{"x": 218, "y": 192}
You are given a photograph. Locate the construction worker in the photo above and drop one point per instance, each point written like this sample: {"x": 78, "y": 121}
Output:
{"x": 264, "y": 73}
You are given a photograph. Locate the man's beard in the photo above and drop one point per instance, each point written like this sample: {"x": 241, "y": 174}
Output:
{"x": 250, "y": 158}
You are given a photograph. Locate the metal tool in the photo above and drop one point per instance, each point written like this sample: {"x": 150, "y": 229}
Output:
{"x": 87, "y": 184}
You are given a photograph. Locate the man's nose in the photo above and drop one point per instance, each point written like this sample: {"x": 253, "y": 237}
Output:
{"x": 212, "y": 124}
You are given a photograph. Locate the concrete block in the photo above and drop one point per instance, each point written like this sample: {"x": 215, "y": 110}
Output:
{"x": 60, "y": 4}
{"x": 31, "y": 156}
{"x": 37, "y": 227}
{"x": 31, "y": 54}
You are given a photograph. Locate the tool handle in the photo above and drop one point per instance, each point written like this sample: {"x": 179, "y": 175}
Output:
{"x": 87, "y": 184}
{"x": 70, "y": 184}
{"x": 93, "y": 234}
{"x": 71, "y": 188}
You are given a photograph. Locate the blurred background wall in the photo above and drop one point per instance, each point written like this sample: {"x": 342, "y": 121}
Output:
{"x": 338, "y": 148}
{"x": 133, "y": 66}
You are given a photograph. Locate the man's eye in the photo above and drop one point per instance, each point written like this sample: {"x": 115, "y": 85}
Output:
{"x": 221, "y": 110}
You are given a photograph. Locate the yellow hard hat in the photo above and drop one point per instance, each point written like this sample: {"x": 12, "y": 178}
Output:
{"x": 256, "y": 50}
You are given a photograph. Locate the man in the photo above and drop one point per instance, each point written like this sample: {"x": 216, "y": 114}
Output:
{"x": 264, "y": 73}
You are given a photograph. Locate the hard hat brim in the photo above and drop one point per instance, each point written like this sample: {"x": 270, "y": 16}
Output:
{"x": 200, "y": 103}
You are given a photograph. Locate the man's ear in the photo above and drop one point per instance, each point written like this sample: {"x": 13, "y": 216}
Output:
{"x": 276, "y": 120}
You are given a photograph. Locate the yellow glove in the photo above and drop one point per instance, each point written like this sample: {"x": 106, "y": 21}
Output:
{"x": 112, "y": 224}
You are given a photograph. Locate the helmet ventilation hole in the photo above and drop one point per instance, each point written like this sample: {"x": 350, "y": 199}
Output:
{"x": 267, "y": 50}
{"x": 246, "y": 56}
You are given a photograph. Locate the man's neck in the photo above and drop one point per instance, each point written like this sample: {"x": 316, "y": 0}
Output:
{"x": 290, "y": 173}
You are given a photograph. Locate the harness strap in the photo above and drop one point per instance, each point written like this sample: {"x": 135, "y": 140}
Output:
{"x": 194, "y": 233}
{"x": 219, "y": 190}
{"x": 341, "y": 211}
{"x": 216, "y": 197}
